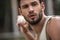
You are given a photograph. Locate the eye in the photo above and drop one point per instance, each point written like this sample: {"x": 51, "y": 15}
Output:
{"x": 34, "y": 3}
{"x": 25, "y": 6}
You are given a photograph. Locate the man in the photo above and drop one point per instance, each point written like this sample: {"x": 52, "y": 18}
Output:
{"x": 44, "y": 27}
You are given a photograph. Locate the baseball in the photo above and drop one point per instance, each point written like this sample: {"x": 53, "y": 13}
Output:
{"x": 21, "y": 19}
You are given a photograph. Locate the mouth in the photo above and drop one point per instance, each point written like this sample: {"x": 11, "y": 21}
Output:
{"x": 32, "y": 16}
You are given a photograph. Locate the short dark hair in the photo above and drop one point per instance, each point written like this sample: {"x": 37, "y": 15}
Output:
{"x": 20, "y": 0}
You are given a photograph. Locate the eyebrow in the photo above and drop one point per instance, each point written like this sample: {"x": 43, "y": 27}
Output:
{"x": 33, "y": 2}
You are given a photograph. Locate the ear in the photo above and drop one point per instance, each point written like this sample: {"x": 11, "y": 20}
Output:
{"x": 19, "y": 10}
{"x": 42, "y": 6}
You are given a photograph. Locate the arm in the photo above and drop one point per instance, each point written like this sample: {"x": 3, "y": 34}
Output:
{"x": 23, "y": 27}
{"x": 26, "y": 32}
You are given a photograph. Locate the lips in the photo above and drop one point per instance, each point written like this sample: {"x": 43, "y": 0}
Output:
{"x": 32, "y": 16}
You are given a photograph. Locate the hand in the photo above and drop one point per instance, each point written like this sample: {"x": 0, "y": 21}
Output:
{"x": 22, "y": 23}
{"x": 24, "y": 28}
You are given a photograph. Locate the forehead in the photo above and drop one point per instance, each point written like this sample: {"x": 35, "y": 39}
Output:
{"x": 27, "y": 1}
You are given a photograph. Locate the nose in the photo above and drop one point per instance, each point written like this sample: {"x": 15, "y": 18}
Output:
{"x": 31, "y": 10}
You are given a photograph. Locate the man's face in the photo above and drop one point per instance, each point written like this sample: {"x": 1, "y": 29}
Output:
{"x": 31, "y": 10}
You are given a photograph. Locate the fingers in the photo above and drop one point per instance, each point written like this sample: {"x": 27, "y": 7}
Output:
{"x": 22, "y": 24}
{"x": 23, "y": 27}
{"x": 20, "y": 20}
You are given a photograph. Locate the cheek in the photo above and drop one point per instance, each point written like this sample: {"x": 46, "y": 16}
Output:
{"x": 24, "y": 12}
{"x": 37, "y": 9}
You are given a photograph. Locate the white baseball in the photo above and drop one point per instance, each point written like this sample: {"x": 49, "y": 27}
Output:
{"x": 21, "y": 19}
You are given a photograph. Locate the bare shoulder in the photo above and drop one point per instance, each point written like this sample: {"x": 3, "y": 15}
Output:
{"x": 56, "y": 18}
{"x": 53, "y": 27}
{"x": 55, "y": 21}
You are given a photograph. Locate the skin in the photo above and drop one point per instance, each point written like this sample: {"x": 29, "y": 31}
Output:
{"x": 53, "y": 28}
{"x": 28, "y": 7}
